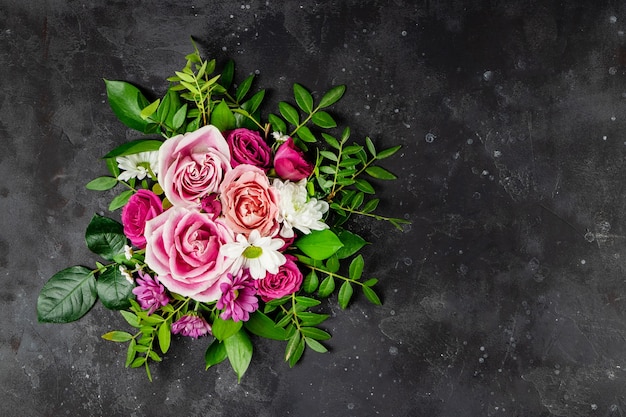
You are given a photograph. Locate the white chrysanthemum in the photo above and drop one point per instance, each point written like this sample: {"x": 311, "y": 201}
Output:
{"x": 296, "y": 210}
{"x": 139, "y": 165}
{"x": 259, "y": 254}
{"x": 280, "y": 137}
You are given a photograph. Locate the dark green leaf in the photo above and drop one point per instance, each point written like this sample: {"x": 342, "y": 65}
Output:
{"x": 117, "y": 336}
{"x": 365, "y": 186}
{"x": 112, "y": 166}
{"x": 370, "y": 146}
{"x": 261, "y": 325}
{"x": 127, "y": 101}
{"x": 243, "y": 88}
{"x": 113, "y": 289}
{"x": 165, "y": 336}
{"x": 307, "y": 301}
{"x": 329, "y": 155}
{"x": 356, "y": 268}
{"x": 357, "y": 200}
{"x": 120, "y": 200}
{"x": 227, "y": 74}
{"x": 223, "y": 118}
{"x": 352, "y": 243}
{"x": 277, "y": 123}
{"x": 323, "y": 119}
{"x": 326, "y": 287}
{"x": 215, "y": 353}
{"x": 297, "y": 354}
{"x": 315, "y": 333}
{"x": 371, "y": 295}
{"x": 319, "y": 244}
{"x": 239, "y": 350}
{"x": 135, "y": 146}
{"x": 292, "y": 345}
{"x": 67, "y": 296}
{"x": 255, "y": 101}
{"x": 105, "y": 237}
{"x": 380, "y": 173}
{"x": 101, "y": 184}
{"x": 315, "y": 345}
{"x": 345, "y": 293}
{"x": 289, "y": 113}
{"x": 308, "y": 318}
{"x": 332, "y": 96}
{"x": 305, "y": 134}
{"x": 303, "y": 98}
{"x": 223, "y": 329}
{"x": 331, "y": 141}
{"x": 332, "y": 265}
{"x": 130, "y": 353}
{"x": 370, "y": 205}
{"x": 388, "y": 152}
{"x": 311, "y": 282}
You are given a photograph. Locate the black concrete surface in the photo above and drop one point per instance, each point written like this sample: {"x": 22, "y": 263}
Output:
{"x": 505, "y": 297}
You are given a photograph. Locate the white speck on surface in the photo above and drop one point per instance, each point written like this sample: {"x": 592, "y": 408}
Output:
{"x": 613, "y": 19}
{"x": 604, "y": 137}
{"x": 487, "y": 75}
{"x": 582, "y": 262}
{"x": 403, "y": 33}
{"x": 430, "y": 137}
{"x": 393, "y": 350}
{"x": 613, "y": 70}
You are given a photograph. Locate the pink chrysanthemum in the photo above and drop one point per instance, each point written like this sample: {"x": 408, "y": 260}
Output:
{"x": 238, "y": 297}
{"x": 150, "y": 293}
{"x": 191, "y": 325}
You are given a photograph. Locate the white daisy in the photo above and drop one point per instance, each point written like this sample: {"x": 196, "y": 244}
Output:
{"x": 259, "y": 254}
{"x": 126, "y": 274}
{"x": 279, "y": 137}
{"x": 138, "y": 165}
{"x": 298, "y": 211}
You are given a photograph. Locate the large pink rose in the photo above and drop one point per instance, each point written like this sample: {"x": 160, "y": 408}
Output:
{"x": 248, "y": 201}
{"x": 287, "y": 281}
{"x": 183, "y": 248}
{"x": 289, "y": 162}
{"x": 141, "y": 207}
{"x": 193, "y": 165}
{"x": 248, "y": 147}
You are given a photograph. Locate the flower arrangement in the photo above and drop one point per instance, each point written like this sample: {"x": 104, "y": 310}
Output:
{"x": 230, "y": 226}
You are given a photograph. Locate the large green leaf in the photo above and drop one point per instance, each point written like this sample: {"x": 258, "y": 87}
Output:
{"x": 352, "y": 243}
{"x": 239, "y": 350}
{"x": 105, "y": 237}
{"x": 67, "y": 296}
{"x": 222, "y": 117}
{"x": 135, "y": 146}
{"x": 261, "y": 325}
{"x": 114, "y": 289}
{"x": 215, "y": 353}
{"x": 223, "y": 329}
{"x": 127, "y": 101}
{"x": 319, "y": 244}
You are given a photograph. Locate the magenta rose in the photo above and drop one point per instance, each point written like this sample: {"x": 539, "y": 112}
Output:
{"x": 193, "y": 165}
{"x": 141, "y": 207}
{"x": 289, "y": 162}
{"x": 183, "y": 249}
{"x": 286, "y": 281}
{"x": 248, "y": 147}
{"x": 249, "y": 202}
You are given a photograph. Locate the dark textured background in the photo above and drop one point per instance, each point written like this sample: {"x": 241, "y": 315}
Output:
{"x": 505, "y": 297}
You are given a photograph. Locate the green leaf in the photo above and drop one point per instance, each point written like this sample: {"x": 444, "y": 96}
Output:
{"x": 323, "y": 119}
{"x": 297, "y": 353}
{"x": 292, "y": 345}
{"x": 315, "y": 345}
{"x": 352, "y": 243}
{"x": 380, "y": 173}
{"x": 315, "y": 333}
{"x": 222, "y": 117}
{"x": 179, "y": 117}
{"x": 130, "y": 353}
{"x": 261, "y": 325}
{"x": 101, "y": 184}
{"x": 255, "y": 101}
{"x": 165, "y": 336}
{"x": 345, "y": 293}
{"x": 370, "y": 205}
{"x": 243, "y": 88}
{"x": 67, "y": 296}
{"x": 277, "y": 123}
{"x": 127, "y": 101}
{"x": 311, "y": 282}
{"x": 112, "y": 166}
{"x": 305, "y": 134}
{"x": 370, "y": 146}
{"x": 308, "y": 318}
{"x": 149, "y": 110}
{"x": 117, "y": 336}
{"x": 319, "y": 244}
{"x": 223, "y": 329}
{"x": 131, "y": 318}
{"x": 326, "y": 287}
{"x": 386, "y": 153}
{"x": 331, "y": 141}
{"x": 371, "y": 295}
{"x": 239, "y": 350}
{"x": 370, "y": 282}
{"x": 332, "y": 96}
{"x": 332, "y": 265}
{"x": 215, "y": 353}
{"x": 113, "y": 289}
{"x": 120, "y": 200}
{"x": 135, "y": 146}
{"x": 329, "y": 155}
{"x": 105, "y": 237}
{"x": 365, "y": 186}
{"x": 289, "y": 113}
{"x": 356, "y": 268}
{"x": 307, "y": 301}
{"x": 303, "y": 98}
{"x": 227, "y": 74}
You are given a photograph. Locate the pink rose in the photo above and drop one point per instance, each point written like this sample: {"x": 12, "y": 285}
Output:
{"x": 193, "y": 165}
{"x": 141, "y": 207}
{"x": 248, "y": 201}
{"x": 248, "y": 147}
{"x": 286, "y": 281}
{"x": 289, "y": 162}
{"x": 183, "y": 249}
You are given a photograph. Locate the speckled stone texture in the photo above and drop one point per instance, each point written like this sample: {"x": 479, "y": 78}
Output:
{"x": 504, "y": 297}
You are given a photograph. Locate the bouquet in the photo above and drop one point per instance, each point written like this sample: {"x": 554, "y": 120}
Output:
{"x": 231, "y": 227}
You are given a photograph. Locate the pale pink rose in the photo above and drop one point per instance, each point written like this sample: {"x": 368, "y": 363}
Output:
{"x": 193, "y": 165}
{"x": 286, "y": 281}
{"x": 183, "y": 249}
{"x": 289, "y": 162}
{"x": 249, "y": 202}
{"x": 141, "y": 207}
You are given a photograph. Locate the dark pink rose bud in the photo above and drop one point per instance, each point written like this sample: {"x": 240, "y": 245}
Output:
{"x": 289, "y": 162}
{"x": 248, "y": 147}
{"x": 141, "y": 207}
{"x": 211, "y": 205}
